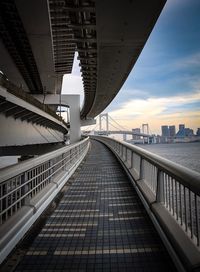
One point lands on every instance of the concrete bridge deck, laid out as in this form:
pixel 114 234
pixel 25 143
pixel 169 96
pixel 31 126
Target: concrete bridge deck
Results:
pixel 99 225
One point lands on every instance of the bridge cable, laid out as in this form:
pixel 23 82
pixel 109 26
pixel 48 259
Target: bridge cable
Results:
pixel 104 118
pixel 121 127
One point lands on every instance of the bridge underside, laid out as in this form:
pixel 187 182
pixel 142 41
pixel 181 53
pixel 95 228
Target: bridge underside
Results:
pixel 108 36
pixel 26 122
pixel 99 225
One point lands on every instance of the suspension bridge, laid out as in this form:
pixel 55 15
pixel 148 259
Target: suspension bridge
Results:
pixel 96 204
pixel 107 125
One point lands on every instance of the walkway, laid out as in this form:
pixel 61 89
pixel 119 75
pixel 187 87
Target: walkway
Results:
pixel 99 225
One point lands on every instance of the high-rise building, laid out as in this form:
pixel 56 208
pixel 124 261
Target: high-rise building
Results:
pixel 198 131
pixel 172 131
pixel 189 132
pixel 136 131
pixel 181 126
pixel 165 131
pixel 184 132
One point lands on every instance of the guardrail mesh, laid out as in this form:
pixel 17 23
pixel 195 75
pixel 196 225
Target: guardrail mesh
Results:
pixel 178 192
pixel 17 191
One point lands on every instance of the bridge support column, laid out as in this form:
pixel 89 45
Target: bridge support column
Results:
pixel 124 137
pixel 100 122
pixel 73 102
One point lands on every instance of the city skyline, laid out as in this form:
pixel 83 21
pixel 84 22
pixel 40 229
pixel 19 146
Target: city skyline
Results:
pixel 164 85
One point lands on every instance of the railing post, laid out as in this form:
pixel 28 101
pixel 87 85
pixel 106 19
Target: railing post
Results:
pixel 4 202
pixel 51 169
pixel 141 174
pixel 75 154
pixel 118 149
pixel 1 203
pixel 79 150
pixel 125 154
pixel 63 163
pixel 131 166
pixel 25 189
pixel 160 187
pixel 121 153
pixel 70 157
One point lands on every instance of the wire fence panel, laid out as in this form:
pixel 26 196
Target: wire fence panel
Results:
pixel 17 191
pixel 175 187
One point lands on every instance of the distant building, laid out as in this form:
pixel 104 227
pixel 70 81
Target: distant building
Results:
pixel 165 134
pixel 198 132
pixel 189 132
pixel 184 132
pixel 181 126
pixel 124 137
pixel 165 131
pixel 172 131
pixel 136 131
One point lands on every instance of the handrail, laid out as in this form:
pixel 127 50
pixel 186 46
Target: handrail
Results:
pixel 20 93
pixel 187 176
pixel 21 182
pixel 14 170
pixel 170 191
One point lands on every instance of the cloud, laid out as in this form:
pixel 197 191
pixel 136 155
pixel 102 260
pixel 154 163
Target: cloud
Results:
pixel 76 67
pixel 155 106
pixel 173 3
pixel 190 61
pixel 181 115
pixel 72 83
pixel 196 84
pixel 169 110
pixel 126 95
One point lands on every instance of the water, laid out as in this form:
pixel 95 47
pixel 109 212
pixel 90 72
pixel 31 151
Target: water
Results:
pixel 186 154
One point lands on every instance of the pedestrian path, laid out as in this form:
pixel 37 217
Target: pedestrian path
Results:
pixel 100 224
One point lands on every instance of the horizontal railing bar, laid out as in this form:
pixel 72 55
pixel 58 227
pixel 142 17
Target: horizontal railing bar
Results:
pixel 28 181
pixel 30 191
pixel 14 170
pixel 27 193
pixel 40 174
pixel 171 195
pixel 68 160
pixel 189 178
pixel 32 180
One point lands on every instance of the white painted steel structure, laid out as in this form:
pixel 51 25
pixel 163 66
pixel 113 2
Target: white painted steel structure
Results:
pixel 127 132
pixel 35 54
pixel 73 102
pixel 23 122
pixel 100 122
pixel 108 36
pixel 27 188
pixel 171 195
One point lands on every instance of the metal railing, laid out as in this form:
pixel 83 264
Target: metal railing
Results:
pixel 20 93
pixel 22 182
pixel 173 186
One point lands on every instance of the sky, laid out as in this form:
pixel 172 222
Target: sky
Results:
pixel 163 87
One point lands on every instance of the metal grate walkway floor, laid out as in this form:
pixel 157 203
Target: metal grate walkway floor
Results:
pixel 99 225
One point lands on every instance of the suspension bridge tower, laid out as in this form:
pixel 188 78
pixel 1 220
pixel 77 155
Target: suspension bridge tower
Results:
pixel 145 128
pixel 103 116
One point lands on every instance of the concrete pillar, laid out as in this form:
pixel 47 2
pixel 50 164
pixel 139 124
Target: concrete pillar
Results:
pixel 100 125
pixel 100 122
pixel 107 129
pixel 73 102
